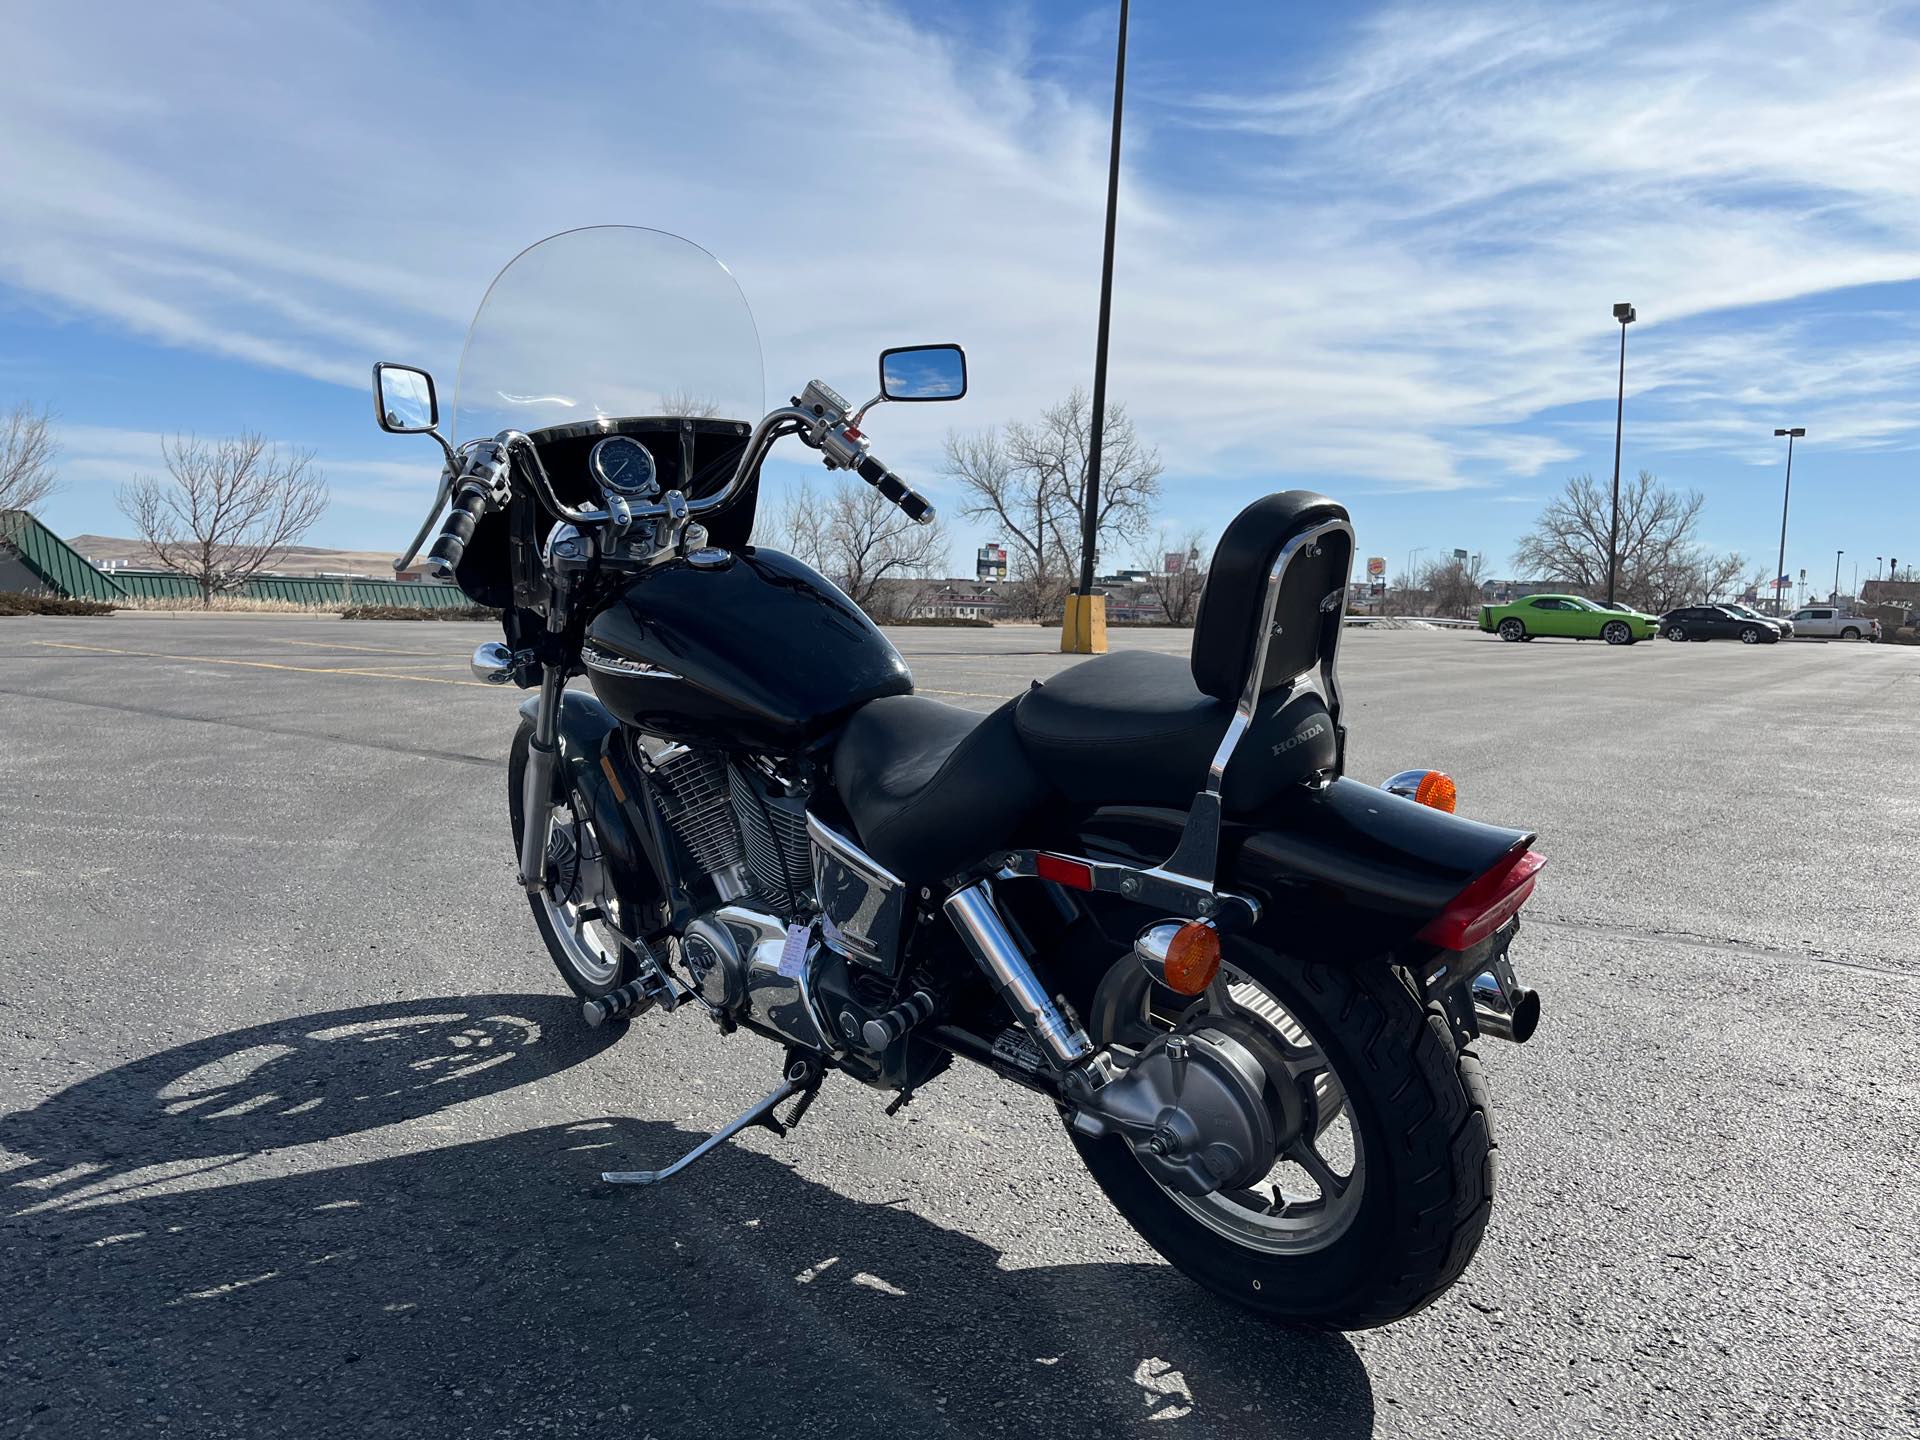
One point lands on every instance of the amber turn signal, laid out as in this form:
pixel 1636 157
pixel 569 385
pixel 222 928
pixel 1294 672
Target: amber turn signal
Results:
pixel 1436 789
pixel 1193 958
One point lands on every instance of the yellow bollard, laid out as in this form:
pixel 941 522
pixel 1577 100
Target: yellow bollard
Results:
pixel 1083 630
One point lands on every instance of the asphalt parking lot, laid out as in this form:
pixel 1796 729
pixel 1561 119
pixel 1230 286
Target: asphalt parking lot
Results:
pixel 297 1135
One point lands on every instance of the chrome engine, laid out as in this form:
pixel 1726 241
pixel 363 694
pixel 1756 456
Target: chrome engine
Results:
pixel 747 963
pixel 739 824
pixel 806 934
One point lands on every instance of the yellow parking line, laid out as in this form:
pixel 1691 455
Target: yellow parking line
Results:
pixel 262 664
pixel 342 645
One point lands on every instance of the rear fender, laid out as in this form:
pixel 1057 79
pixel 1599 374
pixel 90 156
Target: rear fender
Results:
pixel 1343 872
pixel 598 771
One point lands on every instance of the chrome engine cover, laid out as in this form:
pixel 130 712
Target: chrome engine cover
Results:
pixel 750 964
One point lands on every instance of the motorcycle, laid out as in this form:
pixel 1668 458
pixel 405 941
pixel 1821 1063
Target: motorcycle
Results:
pixel 1145 889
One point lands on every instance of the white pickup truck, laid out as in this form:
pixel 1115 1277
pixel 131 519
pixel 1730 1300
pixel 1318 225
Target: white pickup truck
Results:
pixel 1829 622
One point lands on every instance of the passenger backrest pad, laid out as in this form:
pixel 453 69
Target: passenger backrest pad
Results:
pixel 1305 629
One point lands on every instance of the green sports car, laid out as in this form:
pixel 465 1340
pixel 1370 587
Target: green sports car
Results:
pixel 1570 616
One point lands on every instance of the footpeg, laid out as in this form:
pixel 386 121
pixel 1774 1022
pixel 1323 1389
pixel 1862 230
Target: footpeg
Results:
pixel 916 1009
pixel 803 1079
pixel 653 986
pixel 630 999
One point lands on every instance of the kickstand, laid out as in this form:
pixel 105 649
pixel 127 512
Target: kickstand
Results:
pixel 803 1079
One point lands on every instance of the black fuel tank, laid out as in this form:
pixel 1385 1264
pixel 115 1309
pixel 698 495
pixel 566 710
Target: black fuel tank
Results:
pixel 756 652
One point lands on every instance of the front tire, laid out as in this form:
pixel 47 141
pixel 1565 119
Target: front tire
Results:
pixel 1676 632
pixel 585 951
pixel 1423 1165
pixel 1617 632
pixel 1751 635
pixel 1512 629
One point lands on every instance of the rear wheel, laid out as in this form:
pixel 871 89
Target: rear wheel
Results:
pixel 1849 633
pixel 1511 628
pixel 1379 1203
pixel 1617 632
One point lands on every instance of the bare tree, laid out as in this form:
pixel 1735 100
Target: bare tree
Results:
pixel 1661 565
pixel 1020 501
pixel 226 508
pixel 1176 572
pixel 1452 585
pixel 859 539
pixel 1031 479
pixel 27 451
pixel 685 402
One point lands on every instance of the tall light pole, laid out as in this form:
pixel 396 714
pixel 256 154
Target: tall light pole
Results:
pixel 1834 599
pixel 1624 313
pixel 1088 636
pixel 1794 434
pixel 1407 583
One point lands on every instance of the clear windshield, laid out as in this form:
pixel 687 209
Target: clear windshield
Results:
pixel 609 322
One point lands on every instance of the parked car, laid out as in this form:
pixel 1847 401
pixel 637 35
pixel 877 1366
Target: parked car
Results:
pixel 1570 616
pixel 1717 622
pixel 1747 612
pixel 1830 622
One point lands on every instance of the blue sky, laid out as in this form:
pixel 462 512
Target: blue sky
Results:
pixel 1368 250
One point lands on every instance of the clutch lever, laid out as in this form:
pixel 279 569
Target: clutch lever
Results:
pixel 439 502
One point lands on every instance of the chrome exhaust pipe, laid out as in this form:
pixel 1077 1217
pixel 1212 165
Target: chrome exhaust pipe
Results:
pixel 1504 1008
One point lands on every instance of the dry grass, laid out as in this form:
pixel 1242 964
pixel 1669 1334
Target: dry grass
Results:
pixel 414 612
pixel 225 604
pixel 13 602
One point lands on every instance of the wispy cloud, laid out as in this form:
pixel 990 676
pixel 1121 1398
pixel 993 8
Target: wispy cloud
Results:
pixel 1401 280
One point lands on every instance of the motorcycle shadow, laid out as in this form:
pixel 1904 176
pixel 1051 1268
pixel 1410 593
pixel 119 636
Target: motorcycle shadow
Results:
pixel 202 1105
pixel 498 1287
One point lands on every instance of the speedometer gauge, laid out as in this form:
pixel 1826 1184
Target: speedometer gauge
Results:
pixel 623 465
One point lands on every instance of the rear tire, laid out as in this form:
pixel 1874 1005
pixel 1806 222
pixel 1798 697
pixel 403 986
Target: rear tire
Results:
pixel 1512 629
pixel 1850 633
pixel 1422 1122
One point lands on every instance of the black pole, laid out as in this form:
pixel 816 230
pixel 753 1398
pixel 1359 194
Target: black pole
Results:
pixel 1786 496
pixel 1090 517
pixel 1619 416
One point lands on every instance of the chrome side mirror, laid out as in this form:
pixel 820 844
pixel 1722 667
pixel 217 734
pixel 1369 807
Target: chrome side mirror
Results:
pixel 403 400
pixel 923 372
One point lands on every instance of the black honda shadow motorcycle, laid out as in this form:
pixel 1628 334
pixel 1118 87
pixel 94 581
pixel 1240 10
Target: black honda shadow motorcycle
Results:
pixel 1144 888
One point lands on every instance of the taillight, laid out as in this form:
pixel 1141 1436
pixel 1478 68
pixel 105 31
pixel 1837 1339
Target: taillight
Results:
pixel 1485 905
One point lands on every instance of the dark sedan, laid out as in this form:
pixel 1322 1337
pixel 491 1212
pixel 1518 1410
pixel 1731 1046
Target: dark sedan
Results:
pixel 1716 622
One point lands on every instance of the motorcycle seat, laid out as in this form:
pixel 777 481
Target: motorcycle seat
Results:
pixel 932 787
pixel 1127 728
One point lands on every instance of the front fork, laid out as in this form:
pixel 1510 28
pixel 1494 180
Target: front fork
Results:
pixel 536 799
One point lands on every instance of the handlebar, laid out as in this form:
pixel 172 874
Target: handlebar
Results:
pixel 468 506
pixel 483 483
pixel 916 506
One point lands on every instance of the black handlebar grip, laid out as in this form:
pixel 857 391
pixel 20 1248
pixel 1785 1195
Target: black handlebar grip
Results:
pixel 916 506
pixel 468 506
